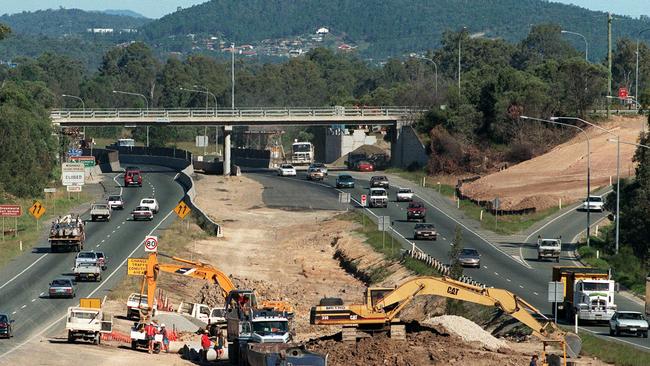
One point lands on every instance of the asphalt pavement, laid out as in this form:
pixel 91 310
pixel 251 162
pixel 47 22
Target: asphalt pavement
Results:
pixel 510 264
pixel 25 281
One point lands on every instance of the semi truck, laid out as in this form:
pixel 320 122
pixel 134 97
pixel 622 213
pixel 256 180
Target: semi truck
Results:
pixel 588 293
pixel 67 233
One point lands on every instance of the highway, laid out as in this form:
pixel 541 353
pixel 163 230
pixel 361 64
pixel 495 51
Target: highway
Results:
pixel 24 284
pixel 521 274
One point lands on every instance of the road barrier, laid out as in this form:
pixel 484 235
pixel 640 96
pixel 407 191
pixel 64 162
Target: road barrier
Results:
pixel 444 269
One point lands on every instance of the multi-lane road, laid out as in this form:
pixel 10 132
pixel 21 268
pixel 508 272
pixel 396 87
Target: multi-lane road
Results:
pixel 511 265
pixel 24 282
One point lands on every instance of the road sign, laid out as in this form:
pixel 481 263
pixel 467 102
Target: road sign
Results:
pixel 555 292
pixel 182 209
pixel 73 188
pixel 344 197
pixel 49 190
pixel 37 210
pixel 136 266
pixel 72 174
pixel 623 93
pixel 10 211
pixel 151 244
pixel 87 161
pixel 496 203
pixel 383 223
pixel 74 152
pixel 201 141
pixel 364 200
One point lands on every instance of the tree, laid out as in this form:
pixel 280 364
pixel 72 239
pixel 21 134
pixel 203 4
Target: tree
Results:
pixel 544 42
pixel 4 31
pixel 581 84
pixel 456 269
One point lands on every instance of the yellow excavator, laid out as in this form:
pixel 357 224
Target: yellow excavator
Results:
pixel 204 271
pixel 382 305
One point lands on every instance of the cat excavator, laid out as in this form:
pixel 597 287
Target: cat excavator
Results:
pixel 382 305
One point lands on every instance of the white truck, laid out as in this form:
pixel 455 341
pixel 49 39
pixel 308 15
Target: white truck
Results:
pixel 100 211
pixel 549 248
pixel 137 303
pixel 588 293
pixel 139 338
pixel 87 321
pixel 87 266
pixel 202 312
pixel 378 197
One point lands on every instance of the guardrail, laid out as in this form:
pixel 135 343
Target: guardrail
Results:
pixel 235 113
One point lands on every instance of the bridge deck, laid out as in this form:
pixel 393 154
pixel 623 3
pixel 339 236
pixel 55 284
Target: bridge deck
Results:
pixel 258 116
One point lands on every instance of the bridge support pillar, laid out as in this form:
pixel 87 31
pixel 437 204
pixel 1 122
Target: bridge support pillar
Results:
pixel 227 130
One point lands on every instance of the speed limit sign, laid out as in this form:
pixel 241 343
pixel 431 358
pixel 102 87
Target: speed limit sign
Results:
pixel 364 200
pixel 151 244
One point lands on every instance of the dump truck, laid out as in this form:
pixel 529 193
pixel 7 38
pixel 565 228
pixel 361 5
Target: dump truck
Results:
pixel 87 321
pixel 67 233
pixel 588 293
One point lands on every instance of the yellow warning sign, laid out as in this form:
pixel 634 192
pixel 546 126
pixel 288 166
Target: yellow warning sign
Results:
pixel 136 266
pixel 37 210
pixel 182 209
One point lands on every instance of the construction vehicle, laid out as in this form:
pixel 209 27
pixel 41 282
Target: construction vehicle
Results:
pixel 382 306
pixel 302 153
pixel 67 232
pixel 588 293
pixel 87 321
pixel 247 320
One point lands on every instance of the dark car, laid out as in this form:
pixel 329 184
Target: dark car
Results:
pixel 344 181
pixel 62 287
pixel 6 326
pixel 416 211
pixel 425 231
pixel 469 257
pixel 379 181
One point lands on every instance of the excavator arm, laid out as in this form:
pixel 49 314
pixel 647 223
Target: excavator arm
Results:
pixel 392 303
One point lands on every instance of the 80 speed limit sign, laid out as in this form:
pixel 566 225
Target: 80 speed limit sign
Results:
pixel 151 244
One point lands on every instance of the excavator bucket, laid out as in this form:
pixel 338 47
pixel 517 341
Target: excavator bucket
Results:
pixel 573 344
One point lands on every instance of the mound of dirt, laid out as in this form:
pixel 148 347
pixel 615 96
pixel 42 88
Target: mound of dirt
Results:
pixel 467 330
pixel 364 149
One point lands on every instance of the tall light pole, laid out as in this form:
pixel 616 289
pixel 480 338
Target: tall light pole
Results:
pixel 588 162
pixel 636 83
pixel 83 106
pixel 232 74
pixel 146 102
pixel 436 68
pixel 584 38
pixel 207 93
pixel 618 168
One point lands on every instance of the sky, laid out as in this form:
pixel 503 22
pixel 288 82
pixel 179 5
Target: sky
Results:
pixel 158 8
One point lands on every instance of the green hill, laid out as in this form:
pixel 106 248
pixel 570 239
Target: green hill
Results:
pixel 389 28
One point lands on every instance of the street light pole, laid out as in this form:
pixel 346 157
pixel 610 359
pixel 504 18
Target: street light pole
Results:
pixel 207 93
pixel 83 106
pixel 232 74
pixel 584 38
pixel 636 83
pixel 436 69
pixel 618 169
pixel 588 162
pixel 146 102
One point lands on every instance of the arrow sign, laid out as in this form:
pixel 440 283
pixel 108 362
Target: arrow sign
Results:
pixel 151 244
pixel 37 210
pixel 182 209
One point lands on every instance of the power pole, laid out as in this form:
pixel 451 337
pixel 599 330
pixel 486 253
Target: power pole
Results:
pixel 609 60
pixel 232 74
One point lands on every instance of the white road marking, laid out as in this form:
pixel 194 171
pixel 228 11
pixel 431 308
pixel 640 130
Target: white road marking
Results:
pixel 496 273
pixel 113 231
pixel 485 267
pixel 24 306
pixel 13 313
pixel 103 240
pixel 615 339
pixel 97 246
pixel 101 284
pixel 42 293
pixel 507 279
pixel 33 300
pixel 123 222
pixel 536 294
pixel 119 226
pixel 520 286
pixel 108 236
pixel 23 271
pixel 121 188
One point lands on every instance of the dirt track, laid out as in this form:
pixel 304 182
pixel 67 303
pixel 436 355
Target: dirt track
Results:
pixel 561 173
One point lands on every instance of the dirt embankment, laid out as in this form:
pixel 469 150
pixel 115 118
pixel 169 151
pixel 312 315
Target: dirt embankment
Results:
pixel 561 173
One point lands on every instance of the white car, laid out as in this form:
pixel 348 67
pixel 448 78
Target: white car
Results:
pixel 630 322
pixel 151 203
pixel 116 202
pixel 320 166
pixel 404 195
pixel 593 203
pixel 286 170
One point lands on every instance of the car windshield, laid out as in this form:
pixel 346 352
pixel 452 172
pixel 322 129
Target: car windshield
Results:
pixel 114 198
pixel 286 166
pixel 270 327
pixel 101 206
pixel 87 255
pixel 423 226
pixel 631 316
pixel 415 205
pixel 595 286
pixel 61 283
pixel 345 177
pixel 142 208
pixel 100 254
pixel 3 318
pixel 469 252
pixel 147 201
pixel 404 190
pixel 595 199
pixel 549 243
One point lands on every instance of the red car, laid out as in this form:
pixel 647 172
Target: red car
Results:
pixel 132 177
pixel 364 166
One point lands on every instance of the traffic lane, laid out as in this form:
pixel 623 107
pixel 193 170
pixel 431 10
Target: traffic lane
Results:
pixel 114 247
pixel 288 194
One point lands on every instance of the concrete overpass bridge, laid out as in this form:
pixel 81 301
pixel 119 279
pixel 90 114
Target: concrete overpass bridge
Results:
pixel 394 117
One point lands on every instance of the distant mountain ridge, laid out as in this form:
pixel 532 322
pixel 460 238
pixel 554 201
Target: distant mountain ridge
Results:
pixel 123 12
pixel 389 28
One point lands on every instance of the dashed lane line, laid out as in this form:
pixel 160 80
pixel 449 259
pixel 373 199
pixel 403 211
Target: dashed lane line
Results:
pixel 23 271
pixel 24 306
pixel 33 300
pixel 536 294
pixel 496 273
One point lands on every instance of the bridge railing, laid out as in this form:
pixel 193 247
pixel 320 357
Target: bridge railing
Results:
pixel 234 113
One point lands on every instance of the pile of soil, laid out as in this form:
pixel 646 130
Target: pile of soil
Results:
pixel 364 149
pixel 467 330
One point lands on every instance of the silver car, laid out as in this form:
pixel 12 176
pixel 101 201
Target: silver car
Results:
pixel 62 287
pixel 630 322
pixel 469 257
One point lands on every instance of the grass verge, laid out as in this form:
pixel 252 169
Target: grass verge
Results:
pixel 506 224
pixel 56 204
pixel 386 245
pixel 613 352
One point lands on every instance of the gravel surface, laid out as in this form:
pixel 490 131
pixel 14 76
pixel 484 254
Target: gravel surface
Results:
pixel 467 330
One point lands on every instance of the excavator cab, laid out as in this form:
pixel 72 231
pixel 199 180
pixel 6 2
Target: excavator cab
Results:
pixel 375 294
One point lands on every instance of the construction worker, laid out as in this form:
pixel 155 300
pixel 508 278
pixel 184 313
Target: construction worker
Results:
pixel 533 360
pixel 165 338
pixel 150 332
pixel 220 342
pixel 205 344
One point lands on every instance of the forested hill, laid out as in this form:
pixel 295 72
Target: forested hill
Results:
pixel 389 28
pixel 67 21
